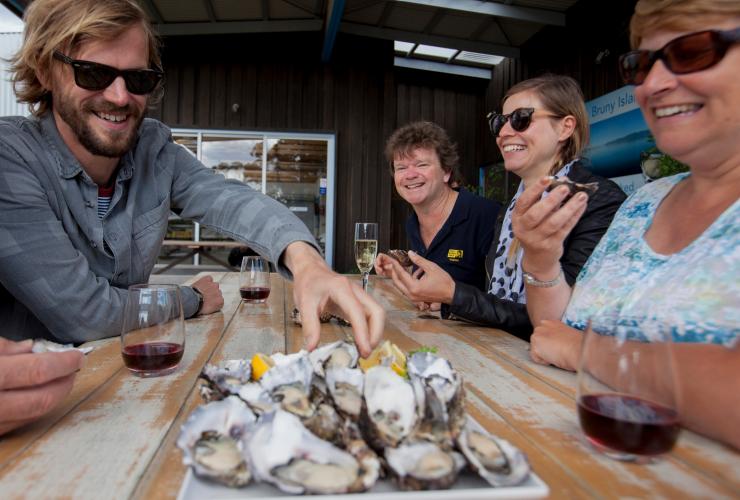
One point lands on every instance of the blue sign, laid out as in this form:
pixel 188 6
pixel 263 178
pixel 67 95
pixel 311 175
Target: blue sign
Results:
pixel 618 134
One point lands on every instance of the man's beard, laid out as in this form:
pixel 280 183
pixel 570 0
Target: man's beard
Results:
pixel 116 144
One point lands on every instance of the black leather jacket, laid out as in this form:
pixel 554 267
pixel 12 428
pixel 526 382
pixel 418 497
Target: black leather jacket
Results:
pixel 472 304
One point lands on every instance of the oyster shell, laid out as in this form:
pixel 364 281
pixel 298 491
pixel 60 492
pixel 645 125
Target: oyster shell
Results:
pixel 345 385
pixel 423 465
pixel 402 256
pixel 338 354
pixel 325 423
pixel 43 345
pixel 389 414
pixel 283 452
pixel 355 445
pixel 325 317
pixel 494 459
pixel 289 383
pixel 224 379
pixel 440 397
pixel 211 441
pixel 575 187
pixel 258 399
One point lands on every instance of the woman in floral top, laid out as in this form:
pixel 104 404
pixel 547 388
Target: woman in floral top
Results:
pixel 672 252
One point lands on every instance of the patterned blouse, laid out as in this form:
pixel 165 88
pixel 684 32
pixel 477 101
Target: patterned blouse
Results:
pixel 626 286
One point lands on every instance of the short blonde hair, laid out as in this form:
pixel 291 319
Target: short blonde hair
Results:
pixel 678 15
pixel 63 25
pixel 562 96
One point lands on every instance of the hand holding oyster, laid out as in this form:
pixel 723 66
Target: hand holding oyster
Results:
pixel 589 188
pixel 402 256
pixel 318 424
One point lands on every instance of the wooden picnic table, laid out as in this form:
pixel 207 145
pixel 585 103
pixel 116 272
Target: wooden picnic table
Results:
pixel 114 437
pixel 201 247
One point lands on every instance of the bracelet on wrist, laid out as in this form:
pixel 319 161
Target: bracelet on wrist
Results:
pixel 532 281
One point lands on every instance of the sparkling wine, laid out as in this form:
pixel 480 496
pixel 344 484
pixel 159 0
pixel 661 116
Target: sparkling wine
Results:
pixel 365 252
pixel 254 293
pixel 628 424
pixel 152 356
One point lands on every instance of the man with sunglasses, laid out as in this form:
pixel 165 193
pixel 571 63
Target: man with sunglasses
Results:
pixel 87 185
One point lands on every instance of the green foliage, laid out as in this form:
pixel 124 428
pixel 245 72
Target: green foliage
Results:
pixel 424 348
pixel 667 166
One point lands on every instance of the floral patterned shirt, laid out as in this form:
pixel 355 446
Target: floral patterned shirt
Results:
pixel 625 284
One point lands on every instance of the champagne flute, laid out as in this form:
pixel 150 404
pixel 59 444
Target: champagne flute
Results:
pixel 153 331
pixel 627 396
pixel 366 248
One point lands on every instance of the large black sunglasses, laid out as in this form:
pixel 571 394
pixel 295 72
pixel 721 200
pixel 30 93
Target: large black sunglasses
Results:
pixel 685 54
pixel 94 76
pixel 520 120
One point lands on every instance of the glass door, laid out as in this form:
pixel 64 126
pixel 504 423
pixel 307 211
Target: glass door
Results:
pixel 297 170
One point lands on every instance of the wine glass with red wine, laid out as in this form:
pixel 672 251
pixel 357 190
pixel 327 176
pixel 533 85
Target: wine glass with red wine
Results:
pixel 254 279
pixel 153 332
pixel 627 394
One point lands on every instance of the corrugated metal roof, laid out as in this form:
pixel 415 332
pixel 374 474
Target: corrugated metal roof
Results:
pixel 9 44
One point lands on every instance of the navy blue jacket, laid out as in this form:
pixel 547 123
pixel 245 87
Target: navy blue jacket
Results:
pixel 461 244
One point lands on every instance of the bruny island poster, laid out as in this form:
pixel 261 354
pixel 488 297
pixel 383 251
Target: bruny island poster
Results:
pixel 619 135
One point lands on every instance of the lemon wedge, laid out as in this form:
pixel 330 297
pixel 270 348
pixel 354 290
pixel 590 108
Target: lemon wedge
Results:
pixel 260 364
pixel 387 353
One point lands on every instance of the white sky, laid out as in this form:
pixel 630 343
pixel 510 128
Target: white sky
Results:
pixel 8 21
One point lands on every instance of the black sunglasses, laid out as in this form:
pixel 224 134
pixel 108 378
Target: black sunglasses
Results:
pixel 95 76
pixel 685 54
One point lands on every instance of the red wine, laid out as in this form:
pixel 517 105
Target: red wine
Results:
pixel 628 424
pixel 152 356
pixel 254 293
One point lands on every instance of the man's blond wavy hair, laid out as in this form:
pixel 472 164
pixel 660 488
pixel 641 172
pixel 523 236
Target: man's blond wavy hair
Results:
pixel 63 25
pixel 678 15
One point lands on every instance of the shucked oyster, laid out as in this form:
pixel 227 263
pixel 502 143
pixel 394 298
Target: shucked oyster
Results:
pixel 495 459
pixel 345 385
pixel 575 187
pixel 402 256
pixel 224 379
pixel 335 355
pixel 283 452
pixel 440 397
pixel 390 413
pixel 289 383
pixel 423 465
pixel 211 441
pixel 43 345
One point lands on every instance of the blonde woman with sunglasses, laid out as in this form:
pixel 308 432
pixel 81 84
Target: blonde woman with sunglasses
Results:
pixel 541 131
pixel 672 253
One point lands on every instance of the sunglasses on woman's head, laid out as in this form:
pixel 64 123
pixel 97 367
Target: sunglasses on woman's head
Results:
pixel 520 119
pixel 95 76
pixel 685 54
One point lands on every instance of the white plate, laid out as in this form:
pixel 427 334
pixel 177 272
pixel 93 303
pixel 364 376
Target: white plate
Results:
pixel 467 487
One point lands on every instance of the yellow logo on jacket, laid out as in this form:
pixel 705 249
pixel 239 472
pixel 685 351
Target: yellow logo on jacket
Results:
pixel 454 255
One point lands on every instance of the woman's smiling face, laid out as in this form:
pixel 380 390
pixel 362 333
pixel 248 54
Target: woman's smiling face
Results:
pixel 694 117
pixel 534 150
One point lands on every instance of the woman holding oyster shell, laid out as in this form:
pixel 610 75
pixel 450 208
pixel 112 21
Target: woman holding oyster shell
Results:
pixel 541 132
pixel 672 253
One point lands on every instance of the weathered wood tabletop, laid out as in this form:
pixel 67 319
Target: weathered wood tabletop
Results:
pixel 114 436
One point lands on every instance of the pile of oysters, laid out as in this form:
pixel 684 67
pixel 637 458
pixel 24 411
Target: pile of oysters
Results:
pixel 315 423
